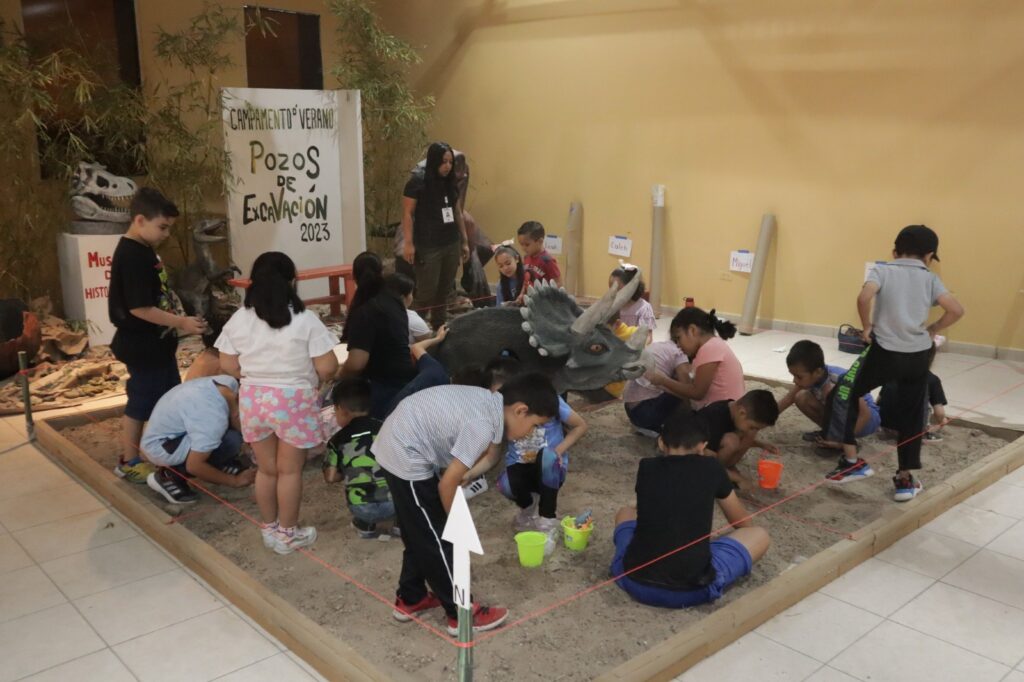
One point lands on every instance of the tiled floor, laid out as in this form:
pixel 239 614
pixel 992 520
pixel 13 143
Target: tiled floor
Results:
pixel 85 597
pixel 944 603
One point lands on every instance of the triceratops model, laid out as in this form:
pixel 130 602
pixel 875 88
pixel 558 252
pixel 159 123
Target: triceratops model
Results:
pixel 198 284
pixel 97 194
pixel 550 334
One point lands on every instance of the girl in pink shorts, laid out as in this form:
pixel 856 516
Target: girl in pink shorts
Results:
pixel 281 352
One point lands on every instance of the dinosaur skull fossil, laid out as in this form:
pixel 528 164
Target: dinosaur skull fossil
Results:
pixel 97 194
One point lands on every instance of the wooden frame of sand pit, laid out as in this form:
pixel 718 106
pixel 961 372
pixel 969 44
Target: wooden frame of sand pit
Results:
pixel 337 661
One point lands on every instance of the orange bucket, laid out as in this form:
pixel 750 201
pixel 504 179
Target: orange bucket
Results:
pixel 769 471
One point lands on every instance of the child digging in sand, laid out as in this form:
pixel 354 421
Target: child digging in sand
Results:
pixel 452 428
pixel 733 426
pixel 675 499
pixel 813 384
pixel 349 458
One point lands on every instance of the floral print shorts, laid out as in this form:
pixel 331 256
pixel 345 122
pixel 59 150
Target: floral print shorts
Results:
pixel 291 414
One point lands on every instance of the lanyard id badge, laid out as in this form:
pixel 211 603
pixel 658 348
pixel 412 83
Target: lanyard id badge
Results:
pixel 447 213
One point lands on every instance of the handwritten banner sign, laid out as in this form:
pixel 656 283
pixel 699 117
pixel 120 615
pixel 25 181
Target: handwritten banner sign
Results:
pixel 286 152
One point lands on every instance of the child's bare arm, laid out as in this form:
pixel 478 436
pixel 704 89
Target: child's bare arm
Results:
pixel 199 466
pixel 326 365
pixel 864 298
pixel 735 513
pixel 355 363
pixel 484 464
pixel 451 480
pixel 693 390
pixel 229 365
pixel 732 449
pixel 420 348
pixel 577 426
pixel 188 325
pixel 787 400
pixel 952 311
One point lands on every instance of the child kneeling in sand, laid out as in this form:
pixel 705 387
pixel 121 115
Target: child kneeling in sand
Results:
pixel 733 427
pixel 349 458
pixel 812 391
pixel 675 496
pixel 194 431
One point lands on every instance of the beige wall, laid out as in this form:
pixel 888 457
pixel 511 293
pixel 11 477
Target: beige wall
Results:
pixel 847 120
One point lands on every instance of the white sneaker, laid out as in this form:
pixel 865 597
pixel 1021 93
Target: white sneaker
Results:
pixel 525 519
pixel 287 542
pixel 475 488
pixel 267 531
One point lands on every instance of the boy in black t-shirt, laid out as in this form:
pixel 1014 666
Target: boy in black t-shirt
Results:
pixel 349 458
pixel 141 307
pixel 733 427
pixel 675 497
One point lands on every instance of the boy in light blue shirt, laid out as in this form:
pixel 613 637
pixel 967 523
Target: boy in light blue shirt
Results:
pixel 194 432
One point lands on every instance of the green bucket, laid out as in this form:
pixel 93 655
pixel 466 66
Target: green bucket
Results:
pixel 576 539
pixel 531 548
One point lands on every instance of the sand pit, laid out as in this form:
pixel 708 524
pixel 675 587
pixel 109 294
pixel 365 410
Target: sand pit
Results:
pixel 584 637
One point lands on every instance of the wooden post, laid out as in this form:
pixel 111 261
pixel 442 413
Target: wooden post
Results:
pixel 657 246
pixel 572 278
pixel 26 395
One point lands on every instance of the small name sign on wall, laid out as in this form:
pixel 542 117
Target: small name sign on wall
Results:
pixel 620 246
pixel 553 244
pixel 741 261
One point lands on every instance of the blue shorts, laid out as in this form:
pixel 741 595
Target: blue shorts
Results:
pixel 730 558
pixel 874 421
pixel 146 385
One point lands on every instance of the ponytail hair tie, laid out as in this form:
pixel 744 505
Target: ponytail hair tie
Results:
pixel 712 316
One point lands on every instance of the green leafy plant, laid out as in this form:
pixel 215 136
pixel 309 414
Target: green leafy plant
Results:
pixel 394 118
pixel 55 111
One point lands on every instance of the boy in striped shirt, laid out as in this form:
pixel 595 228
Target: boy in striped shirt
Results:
pixel 452 428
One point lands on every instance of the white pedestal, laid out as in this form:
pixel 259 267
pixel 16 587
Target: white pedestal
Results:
pixel 85 277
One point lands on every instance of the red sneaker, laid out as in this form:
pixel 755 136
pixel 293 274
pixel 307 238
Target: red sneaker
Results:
pixel 484 618
pixel 403 612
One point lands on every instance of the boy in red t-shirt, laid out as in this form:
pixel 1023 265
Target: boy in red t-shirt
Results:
pixel 538 264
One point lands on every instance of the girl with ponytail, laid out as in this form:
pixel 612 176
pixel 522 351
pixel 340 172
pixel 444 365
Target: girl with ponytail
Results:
pixel 281 352
pixel 715 369
pixel 377 332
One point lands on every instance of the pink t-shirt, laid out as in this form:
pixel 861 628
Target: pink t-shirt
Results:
pixel 667 357
pixel 728 382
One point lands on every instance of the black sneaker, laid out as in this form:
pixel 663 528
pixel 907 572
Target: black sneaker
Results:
pixel 366 531
pixel 933 437
pixel 233 468
pixel 172 488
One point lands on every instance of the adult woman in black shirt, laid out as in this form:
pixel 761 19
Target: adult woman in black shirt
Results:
pixel 377 332
pixel 433 231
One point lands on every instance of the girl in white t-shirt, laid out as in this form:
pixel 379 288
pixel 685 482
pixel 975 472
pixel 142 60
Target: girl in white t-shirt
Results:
pixel 281 352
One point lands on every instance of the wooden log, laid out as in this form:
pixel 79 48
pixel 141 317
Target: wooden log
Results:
pixel 331 657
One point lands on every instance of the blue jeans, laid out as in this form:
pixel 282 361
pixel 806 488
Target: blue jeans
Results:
pixel 651 414
pixel 429 373
pixel 729 557
pixel 373 512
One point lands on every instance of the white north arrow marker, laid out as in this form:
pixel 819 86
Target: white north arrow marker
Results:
pixel 461 532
